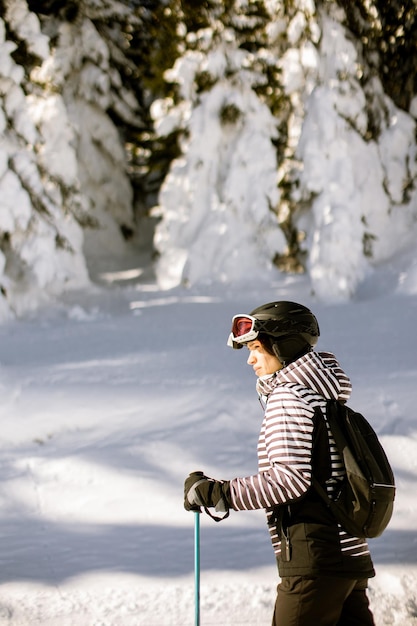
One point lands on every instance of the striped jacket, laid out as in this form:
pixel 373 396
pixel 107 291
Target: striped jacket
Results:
pixel 284 476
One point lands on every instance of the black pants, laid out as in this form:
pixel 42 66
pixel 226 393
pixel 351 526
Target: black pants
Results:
pixel 322 601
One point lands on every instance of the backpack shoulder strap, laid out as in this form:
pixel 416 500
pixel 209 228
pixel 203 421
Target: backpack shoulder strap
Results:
pixel 335 418
pixel 320 456
pixel 321 467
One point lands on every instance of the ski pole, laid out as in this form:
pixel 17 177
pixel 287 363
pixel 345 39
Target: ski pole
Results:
pixel 197 566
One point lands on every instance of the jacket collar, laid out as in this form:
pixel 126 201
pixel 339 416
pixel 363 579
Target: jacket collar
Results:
pixel 318 371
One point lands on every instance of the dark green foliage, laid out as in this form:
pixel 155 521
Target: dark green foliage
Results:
pixel 388 33
pixel 248 24
pixel 149 161
pixel 155 45
pixel 67 11
pixel 204 81
pixel 198 14
pixel 229 114
pixel 367 242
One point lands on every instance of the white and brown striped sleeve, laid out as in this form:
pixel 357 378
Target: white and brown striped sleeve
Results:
pixel 284 452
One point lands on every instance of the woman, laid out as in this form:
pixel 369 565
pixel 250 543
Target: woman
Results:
pixel 324 571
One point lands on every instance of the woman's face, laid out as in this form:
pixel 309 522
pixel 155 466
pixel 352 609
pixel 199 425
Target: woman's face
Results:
pixel 262 362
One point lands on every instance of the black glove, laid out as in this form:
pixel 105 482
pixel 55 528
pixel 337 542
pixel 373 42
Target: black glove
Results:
pixel 200 490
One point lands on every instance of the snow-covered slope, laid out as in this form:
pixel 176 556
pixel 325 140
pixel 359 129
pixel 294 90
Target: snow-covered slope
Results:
pixel 111 398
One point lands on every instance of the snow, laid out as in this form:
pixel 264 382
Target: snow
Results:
pixel 114 394
pixel 26 24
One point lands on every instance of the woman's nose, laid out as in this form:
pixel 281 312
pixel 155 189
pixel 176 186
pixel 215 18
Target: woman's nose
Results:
pixel 251 359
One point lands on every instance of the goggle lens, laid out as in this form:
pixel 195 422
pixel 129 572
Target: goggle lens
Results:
pixel 241 326
pixel 243 330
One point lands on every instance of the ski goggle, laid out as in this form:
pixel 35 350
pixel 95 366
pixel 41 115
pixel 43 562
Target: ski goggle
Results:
pixel 243 330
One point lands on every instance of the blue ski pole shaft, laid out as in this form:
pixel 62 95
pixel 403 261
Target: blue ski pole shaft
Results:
pixel 197 566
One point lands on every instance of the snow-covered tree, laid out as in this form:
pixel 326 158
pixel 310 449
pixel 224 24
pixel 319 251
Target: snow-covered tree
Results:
pixel 359 163
pixel 218 203
pixel 344 150
pixel 63 166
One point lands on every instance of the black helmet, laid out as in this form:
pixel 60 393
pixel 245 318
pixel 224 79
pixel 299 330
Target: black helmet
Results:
pixel 291 329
